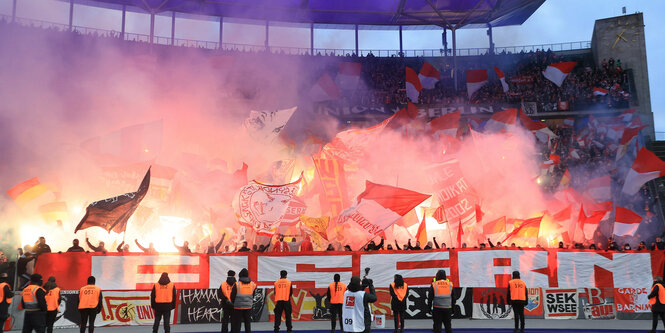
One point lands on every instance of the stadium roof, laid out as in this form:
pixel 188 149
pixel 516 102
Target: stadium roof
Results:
pixel 442 13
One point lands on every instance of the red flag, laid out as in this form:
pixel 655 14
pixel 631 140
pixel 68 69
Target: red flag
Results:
pixel 460 232
pixel 626 221
pixel 527 229
pixel 428 76
pixel 413 85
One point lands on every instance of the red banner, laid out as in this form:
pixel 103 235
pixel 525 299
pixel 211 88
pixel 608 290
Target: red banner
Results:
pixel 551 268
pixel 333 181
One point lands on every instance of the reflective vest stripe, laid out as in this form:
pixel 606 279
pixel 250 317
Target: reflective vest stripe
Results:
pixel 29 296
pixel 244 295
pixel 400 292
pixel 164 293
pixel 517 290
pixel 52 299
pixel 337 294
pixel 442 293
pixel 282 290
pixel 89 297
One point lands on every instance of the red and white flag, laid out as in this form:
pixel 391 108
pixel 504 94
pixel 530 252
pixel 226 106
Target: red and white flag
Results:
pixel 590 223
pixel 348 75
pixel 502 120
pixel 475 79
pixel 377 208
pixel 600 188
pixel 445 125
pixel 502 78
pixel 428 76
pixel 324 89
pixel 628 136
pixel 647 166
pixel 262 207
pixel 538 128
pixel 626 221
pixel 559 71
pixel 627 116
pixel 600 91
pixel 413 85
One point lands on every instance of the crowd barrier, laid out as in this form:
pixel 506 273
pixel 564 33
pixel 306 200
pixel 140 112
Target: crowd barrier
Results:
pixel 563 284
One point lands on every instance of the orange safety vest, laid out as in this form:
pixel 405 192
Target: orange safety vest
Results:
pixel 52 298
pixel 400 292
pixel 282 290
pixel 337 294
pixel 89 297
pixel 164 293
pixel 29 295
pixel 660 296
pixel 442 287
pixel 517 290
pixel 226 289
pixel 2 293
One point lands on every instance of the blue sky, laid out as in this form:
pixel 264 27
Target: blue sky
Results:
pixel 557 21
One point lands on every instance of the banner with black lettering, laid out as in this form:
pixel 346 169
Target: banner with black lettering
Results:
pixel 561 304
pixel 204 306
pixel 491 303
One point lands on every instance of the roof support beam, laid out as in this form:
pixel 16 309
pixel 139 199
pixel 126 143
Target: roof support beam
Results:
pixel 398 13
pixel 173 28
pixel 459 24
pixel 357 54
pixel 438 24
pixel 71 14
pixel 122 27
pixel 438 12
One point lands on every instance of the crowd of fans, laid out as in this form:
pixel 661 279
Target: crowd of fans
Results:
pixel 383 78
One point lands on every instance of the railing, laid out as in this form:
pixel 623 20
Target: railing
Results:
pixel 135 37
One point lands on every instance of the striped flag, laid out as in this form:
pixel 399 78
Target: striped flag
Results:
pixel 428 76
pixel 413 85
pixel 475 79
pixel 626 221
pixel 54 211
pixel 559 71
pixel 600 188
pixel 502 78
pixel 647 166
pixel 348 75
pixel 421 235
pixel 31 193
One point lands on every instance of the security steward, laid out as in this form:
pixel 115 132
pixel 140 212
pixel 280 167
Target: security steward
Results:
pixel 657 301
pixel 242 296
pixel 441 301
pixel 224 293
pixel 90 304
pixel 335 295
pixel 517 299
pixel 6 295
pixel 398 290
pixel 33 300
pixel 162 300
pixel 52 302
pixel 283 294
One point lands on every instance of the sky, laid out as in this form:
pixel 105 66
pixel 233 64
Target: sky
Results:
pixel 556 21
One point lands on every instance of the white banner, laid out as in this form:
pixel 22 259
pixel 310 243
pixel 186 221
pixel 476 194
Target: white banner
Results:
pixel 561 303
pixel 220 265
pixel 418 269
pixel 306 271
pixel 141 271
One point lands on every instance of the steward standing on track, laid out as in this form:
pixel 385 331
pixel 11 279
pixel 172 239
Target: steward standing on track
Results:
pixel 398 291
pixel 355 311
pixel 33 300
pixel 90 304
pixel 242 296
pixel 441 302
pixel 283 294
pixel 335 295
pixel 162 300
pixel 517 299
pixel 52 302
pixel 224 293
pixel 657 301
pixel 6 295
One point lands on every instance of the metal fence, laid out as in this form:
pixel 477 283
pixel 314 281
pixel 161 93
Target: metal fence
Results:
pixel 135 37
